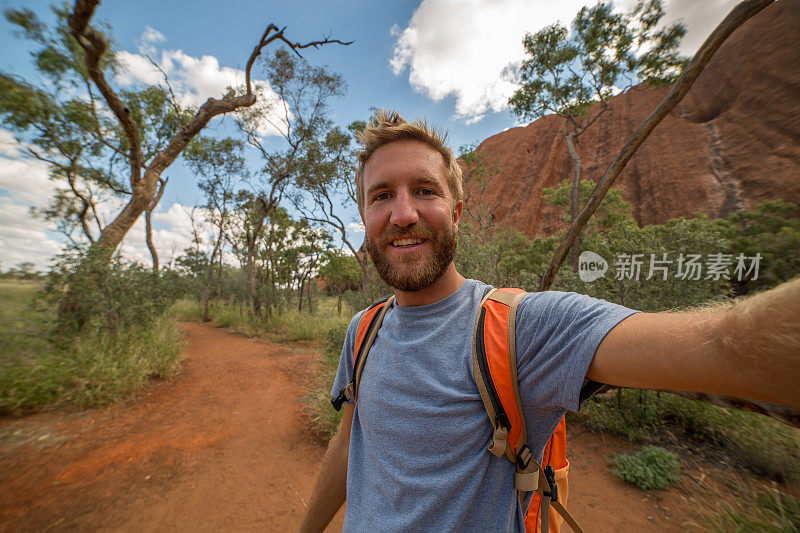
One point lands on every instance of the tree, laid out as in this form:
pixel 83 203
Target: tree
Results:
pixel 738 16
pixel 326 179
pixel 575 74
pixel 299 115
pixel 341 272
pixel 144 173
pixel 218 162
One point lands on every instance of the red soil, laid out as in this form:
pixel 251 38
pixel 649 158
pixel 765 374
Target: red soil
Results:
pixel 225 447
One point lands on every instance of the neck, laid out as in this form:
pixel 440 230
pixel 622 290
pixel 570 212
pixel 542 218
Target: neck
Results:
pixel 447 284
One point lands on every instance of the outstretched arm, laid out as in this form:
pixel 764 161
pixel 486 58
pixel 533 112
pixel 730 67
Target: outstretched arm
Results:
pixel 331 489
pixel 748 350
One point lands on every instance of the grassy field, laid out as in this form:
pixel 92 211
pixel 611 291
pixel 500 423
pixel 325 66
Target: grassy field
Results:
pixel 40 370
pixel 283 325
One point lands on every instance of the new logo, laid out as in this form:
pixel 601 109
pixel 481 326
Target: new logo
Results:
pixel 591 266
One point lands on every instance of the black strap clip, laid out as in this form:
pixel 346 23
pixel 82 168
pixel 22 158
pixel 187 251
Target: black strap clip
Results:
pixel 550 476
pixel 340 398
pixel 524 457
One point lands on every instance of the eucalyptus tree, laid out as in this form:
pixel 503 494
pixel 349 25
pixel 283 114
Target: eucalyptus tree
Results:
pixel 326 183
pixel 574 74
pixel 220 166
pixel 59 120
pixel 285 131
pixel 90 53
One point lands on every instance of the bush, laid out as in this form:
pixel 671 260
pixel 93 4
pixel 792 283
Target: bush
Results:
pixel 764 446
pixel 94 293
pixel 91 370
pixel 651 468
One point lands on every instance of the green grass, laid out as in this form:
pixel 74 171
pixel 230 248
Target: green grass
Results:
pixel 187 310
pixel 767 511
pixel 39 370
pixel 287 324
pixel 652 467
pixel 764 446
pixel 325 419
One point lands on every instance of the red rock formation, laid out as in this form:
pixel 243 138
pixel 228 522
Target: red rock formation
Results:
pixel 733 141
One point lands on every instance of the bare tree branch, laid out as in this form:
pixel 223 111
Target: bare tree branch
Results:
pixel 95 46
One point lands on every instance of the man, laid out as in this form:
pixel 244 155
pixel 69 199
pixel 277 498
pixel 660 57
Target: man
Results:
pixel 413 456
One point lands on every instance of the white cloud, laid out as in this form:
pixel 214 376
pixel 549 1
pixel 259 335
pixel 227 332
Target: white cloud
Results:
pixel 463 49
pixel 24 238
pixel 194 79
pixel 355 227
pixel 700 18
pixel 469 49
pixel 152 36
pixel 26 180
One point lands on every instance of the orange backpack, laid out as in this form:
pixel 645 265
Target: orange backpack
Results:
pixel 495 371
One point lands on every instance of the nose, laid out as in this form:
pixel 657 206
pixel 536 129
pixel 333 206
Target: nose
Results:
pixel 404 212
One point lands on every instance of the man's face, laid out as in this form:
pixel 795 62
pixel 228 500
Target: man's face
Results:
pixel 411 222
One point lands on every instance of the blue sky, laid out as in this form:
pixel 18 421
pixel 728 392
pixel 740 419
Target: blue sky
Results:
pixel 442 59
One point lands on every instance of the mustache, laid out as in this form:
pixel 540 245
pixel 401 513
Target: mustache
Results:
pixel 417 232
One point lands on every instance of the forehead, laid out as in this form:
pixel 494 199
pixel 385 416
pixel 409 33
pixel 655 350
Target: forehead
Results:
pixel 410 159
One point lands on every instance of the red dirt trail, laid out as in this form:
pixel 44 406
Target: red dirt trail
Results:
pixel 225 447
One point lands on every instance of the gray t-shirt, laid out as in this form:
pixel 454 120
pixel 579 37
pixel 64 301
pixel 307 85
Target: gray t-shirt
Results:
pixel 418 459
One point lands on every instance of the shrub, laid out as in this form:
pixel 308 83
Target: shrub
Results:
pixel 651 468
pixel 98 294
pixel 92 370
pixel 764 446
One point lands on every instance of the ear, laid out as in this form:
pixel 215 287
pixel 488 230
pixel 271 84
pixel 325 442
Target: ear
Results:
pixel 457 214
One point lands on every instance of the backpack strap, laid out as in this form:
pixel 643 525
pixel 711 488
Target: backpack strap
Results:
pixel 496 376
pixel 494 366
pixel 366 332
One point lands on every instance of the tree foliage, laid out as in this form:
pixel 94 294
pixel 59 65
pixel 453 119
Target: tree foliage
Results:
pixel 604 53
pixel 575 74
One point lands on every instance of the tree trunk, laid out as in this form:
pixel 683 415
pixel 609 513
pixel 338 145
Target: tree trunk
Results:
pixel 219 276
pixel 149 238
pixel 300 297
pixel 251 282
pixel 148 224
pixel 574 197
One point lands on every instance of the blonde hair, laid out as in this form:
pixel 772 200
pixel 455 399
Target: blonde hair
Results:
pixel 387 127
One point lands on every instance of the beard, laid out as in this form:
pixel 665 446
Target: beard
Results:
pixel 411 274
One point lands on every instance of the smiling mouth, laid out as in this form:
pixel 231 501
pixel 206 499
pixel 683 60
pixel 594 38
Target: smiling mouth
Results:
pixel 405 243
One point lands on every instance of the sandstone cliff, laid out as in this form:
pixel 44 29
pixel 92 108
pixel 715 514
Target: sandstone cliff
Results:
pixel 733 141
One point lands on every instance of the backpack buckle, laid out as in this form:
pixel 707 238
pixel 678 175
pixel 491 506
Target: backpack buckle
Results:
pixel 550 476
pixel 524 457
pixel 345 394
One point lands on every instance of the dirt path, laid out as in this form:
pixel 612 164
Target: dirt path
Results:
pixel 225 447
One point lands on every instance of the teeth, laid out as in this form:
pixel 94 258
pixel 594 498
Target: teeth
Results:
pixel 406 242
